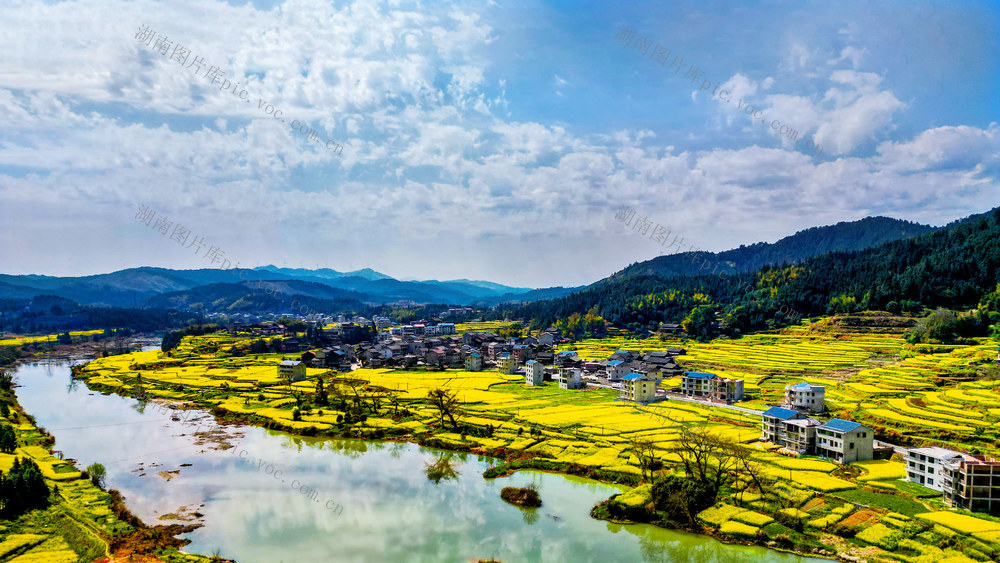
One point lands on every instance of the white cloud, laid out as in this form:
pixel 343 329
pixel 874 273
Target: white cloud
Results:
pixel 430 157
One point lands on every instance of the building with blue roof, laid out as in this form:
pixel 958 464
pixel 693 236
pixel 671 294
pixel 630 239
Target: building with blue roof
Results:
pixel 709 386
pixel 534 372
pixel 506 363
pixel 474 362
pixel 806 396
pixel 845 441
pixel 614 370
pixel 789 429
pixel 639 387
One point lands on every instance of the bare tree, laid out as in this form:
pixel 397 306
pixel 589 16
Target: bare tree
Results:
pixel 446 403
pixel 706 457
pixel 646 452
pixel 750 468
pixel 377 394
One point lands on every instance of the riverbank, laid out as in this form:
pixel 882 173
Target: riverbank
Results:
pixel 400 501
pixel 81 521
pixel 812 505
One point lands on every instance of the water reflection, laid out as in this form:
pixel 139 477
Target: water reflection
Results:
pixel 444 468
pixel 398 502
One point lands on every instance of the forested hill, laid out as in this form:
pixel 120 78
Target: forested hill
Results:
pixel 846 235
pixel 950 267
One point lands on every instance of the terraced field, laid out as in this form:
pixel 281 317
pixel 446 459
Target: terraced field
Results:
pixel 874 378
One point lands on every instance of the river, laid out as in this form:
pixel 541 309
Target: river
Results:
pixel 281 498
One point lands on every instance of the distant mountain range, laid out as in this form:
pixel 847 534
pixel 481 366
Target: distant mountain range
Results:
pixel 215 290
pixel 209 290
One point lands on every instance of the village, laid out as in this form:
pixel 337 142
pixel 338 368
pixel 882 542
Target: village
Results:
pixel 966 480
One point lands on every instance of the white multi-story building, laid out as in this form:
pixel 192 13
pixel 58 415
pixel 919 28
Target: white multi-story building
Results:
pixel 711 386
pixel 806 396
pixel 925 466
pixel 789 429
pixel 616 369
pixel 569 378
pixel 534 372
pixel 473 362
pixel 845 441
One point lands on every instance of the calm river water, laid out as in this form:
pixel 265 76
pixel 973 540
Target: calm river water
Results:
pixel 280 498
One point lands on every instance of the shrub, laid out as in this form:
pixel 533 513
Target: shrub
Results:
pixel 880 535
pixel 527 496
pixel 296 413
pixel 678 497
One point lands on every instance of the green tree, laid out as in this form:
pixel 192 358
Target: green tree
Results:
pixel 698 323
pixel 23 488
pixel 8 438
pixel 97 473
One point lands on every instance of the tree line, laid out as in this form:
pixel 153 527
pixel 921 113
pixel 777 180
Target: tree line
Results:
pixel 954 267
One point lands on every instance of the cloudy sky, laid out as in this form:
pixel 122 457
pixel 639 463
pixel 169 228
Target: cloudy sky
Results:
pixel 481 140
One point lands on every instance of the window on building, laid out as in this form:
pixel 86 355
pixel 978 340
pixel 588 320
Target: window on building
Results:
pixel 852 446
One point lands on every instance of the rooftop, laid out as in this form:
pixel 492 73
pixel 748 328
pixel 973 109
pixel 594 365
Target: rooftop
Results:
pixel 935 452
pixel 700 375
pixel 780 413
pixel 805 422
pixel 841 425
pixel 632 376
pixel 806 386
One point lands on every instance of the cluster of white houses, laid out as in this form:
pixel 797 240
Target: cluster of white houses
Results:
pixel 966 481
pixel 790 427
pixel 422 329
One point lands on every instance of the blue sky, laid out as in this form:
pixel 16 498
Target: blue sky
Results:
pixel 482 140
